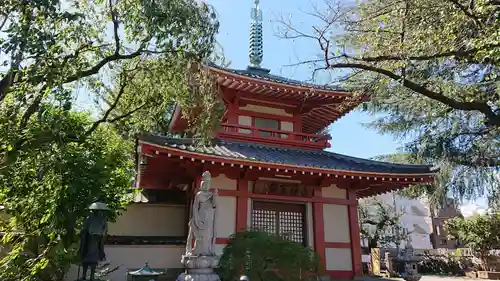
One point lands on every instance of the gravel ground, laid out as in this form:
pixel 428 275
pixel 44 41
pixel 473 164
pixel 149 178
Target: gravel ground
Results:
pixel 424 278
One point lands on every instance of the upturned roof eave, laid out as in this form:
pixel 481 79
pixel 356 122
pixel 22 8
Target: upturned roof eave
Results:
pixel 409 177
pixel 286 83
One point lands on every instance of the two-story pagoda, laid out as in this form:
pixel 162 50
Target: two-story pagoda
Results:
pixel 270 166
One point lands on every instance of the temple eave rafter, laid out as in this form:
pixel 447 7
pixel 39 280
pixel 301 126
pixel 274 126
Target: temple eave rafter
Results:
pixel 249 84
pixel 344 178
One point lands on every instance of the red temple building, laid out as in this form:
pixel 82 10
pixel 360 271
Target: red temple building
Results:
pixel 271 168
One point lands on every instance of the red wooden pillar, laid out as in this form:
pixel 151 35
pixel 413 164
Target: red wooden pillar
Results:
pixel 242 205
pixel 197 183
pixel 357 264
pixel 319 228
pixel 297 125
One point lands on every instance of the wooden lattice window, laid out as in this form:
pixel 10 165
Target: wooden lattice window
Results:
pixel 286 220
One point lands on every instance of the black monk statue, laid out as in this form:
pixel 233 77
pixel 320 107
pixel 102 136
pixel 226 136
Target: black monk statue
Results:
pixel 92 236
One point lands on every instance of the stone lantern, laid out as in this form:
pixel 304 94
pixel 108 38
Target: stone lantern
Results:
pixel 145 274
pixel 408 262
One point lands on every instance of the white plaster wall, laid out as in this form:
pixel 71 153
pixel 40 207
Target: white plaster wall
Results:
pixel 333 192
pixel 310 225
pixel 244 121
pixel 135 256
pixel 150 220
pixel 226 216
pixel 265 109
pixel 223 182
pixel 338 259
pixel 286 126
pixel 336 221
pixel 219 248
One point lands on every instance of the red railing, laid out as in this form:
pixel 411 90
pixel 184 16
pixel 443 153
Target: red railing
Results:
pixel 273 136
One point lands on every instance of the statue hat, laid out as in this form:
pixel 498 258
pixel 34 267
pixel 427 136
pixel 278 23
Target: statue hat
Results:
pixel 206 176
pixel 98 206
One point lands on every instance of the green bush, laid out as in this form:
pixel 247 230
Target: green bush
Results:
pixel 444 265
pixel 265 257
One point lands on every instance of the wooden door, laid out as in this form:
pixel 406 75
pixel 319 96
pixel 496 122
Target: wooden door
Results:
pixel 286 220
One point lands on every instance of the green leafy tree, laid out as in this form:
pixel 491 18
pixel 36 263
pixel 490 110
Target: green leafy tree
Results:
pixel 47 194
pixel 78 80
pixel 481 233
pixel 437 192
pixel 431 69
pixel 262 256
pixel 55 50
pixel 380 224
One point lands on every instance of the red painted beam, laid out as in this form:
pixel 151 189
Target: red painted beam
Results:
pixel 315 199
pixel 264 115
pixel 242 205
pixel 352 210
pixel 221 241
pixel 319 228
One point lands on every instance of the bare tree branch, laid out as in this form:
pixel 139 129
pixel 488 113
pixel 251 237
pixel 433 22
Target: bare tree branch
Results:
pixel 363 63
pixel 32 107
pixel 4 21
pixel 17 57
pixel 104 118
pixel 482 107
pixel 95 69
pixel 126 77
pixel 455 53
pixel 116 26
pixel 127 114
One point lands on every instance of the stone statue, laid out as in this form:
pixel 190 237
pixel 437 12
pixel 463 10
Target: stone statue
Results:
pixel 200 259
pixel 92 236
pixel 202 222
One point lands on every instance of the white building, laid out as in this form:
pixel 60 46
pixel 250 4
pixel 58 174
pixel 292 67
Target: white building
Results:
pixel 416 219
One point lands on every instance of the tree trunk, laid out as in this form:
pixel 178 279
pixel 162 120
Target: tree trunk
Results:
pixel 484 260
pixel 432 235
pixel 372 243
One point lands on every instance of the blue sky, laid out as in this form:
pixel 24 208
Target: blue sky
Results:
pixel 349 136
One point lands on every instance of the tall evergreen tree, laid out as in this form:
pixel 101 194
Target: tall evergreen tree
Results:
pixel 431 69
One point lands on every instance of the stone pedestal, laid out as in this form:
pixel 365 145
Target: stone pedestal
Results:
pixel 199 268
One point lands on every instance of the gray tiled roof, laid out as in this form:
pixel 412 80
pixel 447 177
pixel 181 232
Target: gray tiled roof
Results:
pixel 299 157
pixel 263 74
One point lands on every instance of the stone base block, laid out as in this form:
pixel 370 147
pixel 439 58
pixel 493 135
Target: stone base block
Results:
pixel 200 261
pixel 205 274
pixel 411 277
pixel 199 268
